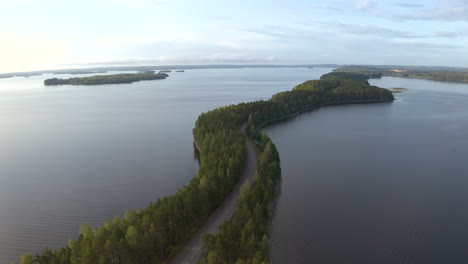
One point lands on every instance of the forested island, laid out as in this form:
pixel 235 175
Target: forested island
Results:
pixel 107 79
pixel 157 233
pixel 430 73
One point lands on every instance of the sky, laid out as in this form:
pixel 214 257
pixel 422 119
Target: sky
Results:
pixel 55 34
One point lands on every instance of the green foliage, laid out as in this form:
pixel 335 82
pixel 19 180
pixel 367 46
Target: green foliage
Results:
pixel 107 79
pixel 369 71
pixel 244 238
pixel 26 259
pixel 346 76
pixel 155 234
pixel 408 72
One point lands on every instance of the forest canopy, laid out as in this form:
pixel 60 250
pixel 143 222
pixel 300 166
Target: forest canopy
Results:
pixel 442 75
pixel 107 79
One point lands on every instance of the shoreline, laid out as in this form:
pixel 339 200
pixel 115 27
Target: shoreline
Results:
pixel 270 122
pixel 192 245
pixel 277 192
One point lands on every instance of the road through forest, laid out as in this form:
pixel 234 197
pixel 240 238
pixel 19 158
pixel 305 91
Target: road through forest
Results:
pixel 192 251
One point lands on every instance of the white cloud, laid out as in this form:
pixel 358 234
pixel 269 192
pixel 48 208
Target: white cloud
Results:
pixel 228 57
pixel 448 10
pixel 248 44
pixel 145 39
pixel 391 33
pixel 363 4
pixel 214 58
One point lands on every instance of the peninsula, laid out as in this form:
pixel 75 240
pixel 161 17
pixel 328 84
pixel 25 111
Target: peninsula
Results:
pixel 169 229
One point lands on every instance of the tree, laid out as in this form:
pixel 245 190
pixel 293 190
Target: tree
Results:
pixel 26 259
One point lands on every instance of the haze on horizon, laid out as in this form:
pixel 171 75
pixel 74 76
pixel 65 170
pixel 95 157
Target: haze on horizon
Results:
pixel 53 34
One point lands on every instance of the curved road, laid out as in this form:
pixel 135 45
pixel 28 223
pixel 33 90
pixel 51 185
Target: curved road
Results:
pixel 192 251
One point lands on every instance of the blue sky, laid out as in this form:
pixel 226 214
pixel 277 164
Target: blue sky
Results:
pixel 49 34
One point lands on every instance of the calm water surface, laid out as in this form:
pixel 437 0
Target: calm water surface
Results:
pixel 376 183
pixel 83 154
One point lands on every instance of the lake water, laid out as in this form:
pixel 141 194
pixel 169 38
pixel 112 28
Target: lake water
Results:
pixel 376 183
pixel 83 154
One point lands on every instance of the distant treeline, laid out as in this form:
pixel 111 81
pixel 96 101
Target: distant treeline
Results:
pixel 157 233
pixel 435 75
pixel 107 79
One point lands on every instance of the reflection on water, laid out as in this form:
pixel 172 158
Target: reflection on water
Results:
pixel 376 183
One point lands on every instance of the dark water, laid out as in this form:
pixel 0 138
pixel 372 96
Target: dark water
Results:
pixel 83 154
pixel 376 183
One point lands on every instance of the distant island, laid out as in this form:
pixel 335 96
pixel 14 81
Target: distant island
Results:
pixel 107 79
pixel 443 74
pixel 384 70
pixel 179 71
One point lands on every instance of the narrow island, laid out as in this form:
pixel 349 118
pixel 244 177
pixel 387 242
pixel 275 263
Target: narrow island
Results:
pixel 107 79
pixel 224 137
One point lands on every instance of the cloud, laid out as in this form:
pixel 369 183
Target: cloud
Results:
pixel 448 10
pixel 418 46
pixel 439 34
pixel 360 30
pixel 144 39
pixel 281 32
pixel 331 32
pixel 409 5
pixel 222 18
pixel 363 5
pixel 268 30
pixel 248 40
pixel 341 7
pixel 215 58
pixel 228 57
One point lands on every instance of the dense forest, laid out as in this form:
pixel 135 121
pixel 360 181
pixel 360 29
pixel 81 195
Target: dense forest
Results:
pixel 442 75
pixel 107 79
pixel 157 233
pixel 244 239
